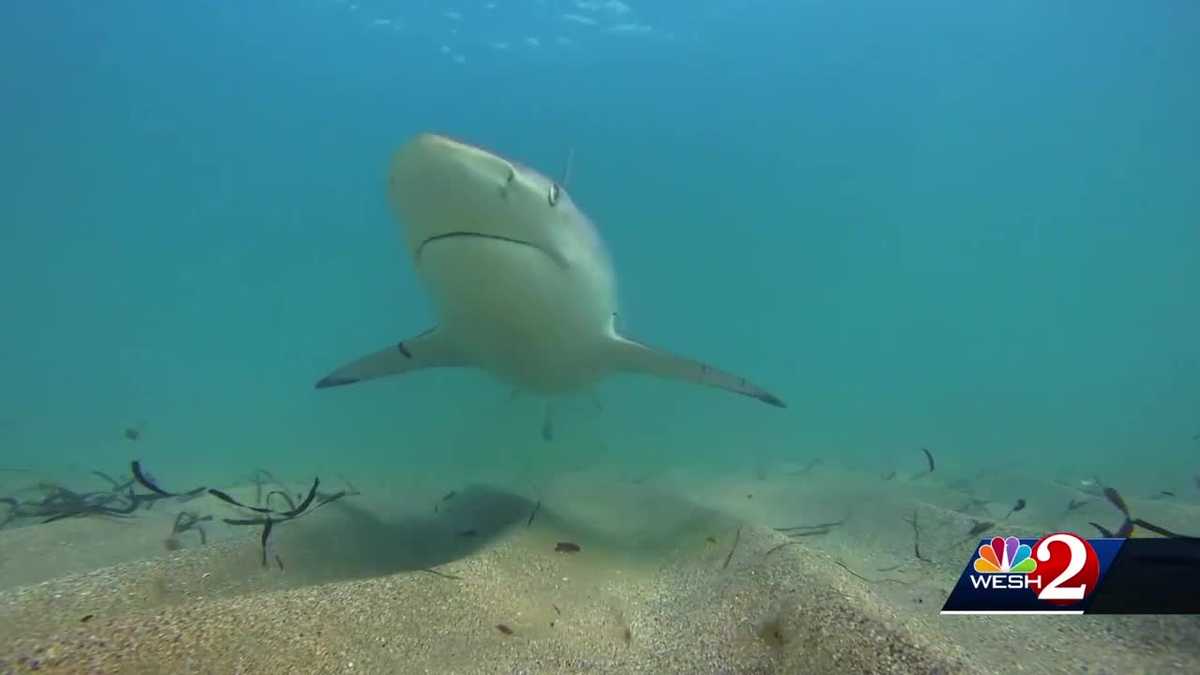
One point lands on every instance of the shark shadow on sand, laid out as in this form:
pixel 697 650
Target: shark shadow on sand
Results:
pixel 350 542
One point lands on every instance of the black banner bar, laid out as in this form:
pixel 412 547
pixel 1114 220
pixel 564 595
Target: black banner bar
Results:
pixel 1151 576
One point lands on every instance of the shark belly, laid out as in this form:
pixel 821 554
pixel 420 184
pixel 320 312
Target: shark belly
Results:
pixel 518 313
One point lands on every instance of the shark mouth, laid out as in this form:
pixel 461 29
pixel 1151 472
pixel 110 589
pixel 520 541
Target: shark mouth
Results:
pixel 482 235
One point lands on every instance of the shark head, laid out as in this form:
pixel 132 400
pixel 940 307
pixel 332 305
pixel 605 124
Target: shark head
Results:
pixel 443 190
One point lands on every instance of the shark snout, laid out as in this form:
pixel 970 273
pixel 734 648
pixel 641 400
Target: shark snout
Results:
pixel 434 152
pixel 443 190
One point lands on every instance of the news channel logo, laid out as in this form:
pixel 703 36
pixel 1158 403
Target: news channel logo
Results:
pixel 1056 574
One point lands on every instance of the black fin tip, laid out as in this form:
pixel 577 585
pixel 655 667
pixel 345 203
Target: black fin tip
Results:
pixel 335 381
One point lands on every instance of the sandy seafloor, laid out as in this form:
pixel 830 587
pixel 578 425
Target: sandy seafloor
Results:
pixel 651 591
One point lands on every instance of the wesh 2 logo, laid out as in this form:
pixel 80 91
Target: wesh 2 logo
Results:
pixel 1060 568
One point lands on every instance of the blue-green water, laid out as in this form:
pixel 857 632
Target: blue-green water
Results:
pixel 966 227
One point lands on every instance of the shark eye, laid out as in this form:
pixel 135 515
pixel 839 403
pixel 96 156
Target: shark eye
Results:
pixel 554 193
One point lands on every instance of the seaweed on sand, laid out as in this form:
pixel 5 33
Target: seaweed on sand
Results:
pixel 122 501
pixel 58 502
pixel 186 521
pixel 269 518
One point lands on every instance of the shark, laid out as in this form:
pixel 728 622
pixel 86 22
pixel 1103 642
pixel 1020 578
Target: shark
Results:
pixel 521 283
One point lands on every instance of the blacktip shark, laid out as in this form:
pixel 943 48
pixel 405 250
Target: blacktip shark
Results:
pixel 522 285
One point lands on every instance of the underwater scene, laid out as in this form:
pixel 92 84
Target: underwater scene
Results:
pixel 606 336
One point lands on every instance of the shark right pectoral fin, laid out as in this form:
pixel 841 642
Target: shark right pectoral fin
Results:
pixel 427 350
pixel 633 357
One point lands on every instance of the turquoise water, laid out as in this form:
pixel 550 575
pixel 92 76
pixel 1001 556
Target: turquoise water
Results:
pixel 970 228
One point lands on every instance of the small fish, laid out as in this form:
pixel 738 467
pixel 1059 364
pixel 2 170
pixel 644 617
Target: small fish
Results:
pixel 1020 505
pixel 889 475
pixel 132 433
pixel 929 458
pixel 536 508
pixel 468 533
pixel 566 547
pixel 1076 503
pixel 1126 529
pixel 147 481
pixel 749 496
pixel 504 629
pixel 86 618
pixel 711 540
pixel 1092 486
pixel 1116 500
pixel 449 495
pixel 1167 493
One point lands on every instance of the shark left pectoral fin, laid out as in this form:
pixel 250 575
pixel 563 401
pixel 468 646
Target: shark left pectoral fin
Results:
pixel 633 357
pixel 427 350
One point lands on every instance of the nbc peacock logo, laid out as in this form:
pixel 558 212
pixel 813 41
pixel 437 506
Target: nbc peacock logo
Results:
pixel 1005 564
pixel 1005 556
